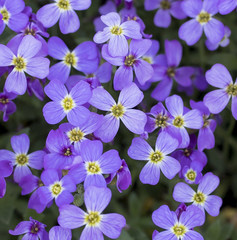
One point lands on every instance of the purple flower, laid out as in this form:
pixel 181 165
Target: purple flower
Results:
pixel 201 198
pixel 83 58
pixel 218 76
pixel 7 106
pixel 12 16
pixel 182 118
pixel 166 8
pixel 116 33
pixel 202 13
pixel 97 224
pixel 123 175
pixel 223 43
pixel 226 6
pixel 67 104
pixel 61 151
pixel 35 87
pixel 132 61
pixel 5 171
pixel 157 160
pixel 59 233
pixel 193 173
pixel 178 228
pixel 206 138
pixel 24 61
pixel 62 10
pixel 20 157
pixel 32 229
pixel 133 119
pixel 95 164
pixel 56 188
pixel 167 70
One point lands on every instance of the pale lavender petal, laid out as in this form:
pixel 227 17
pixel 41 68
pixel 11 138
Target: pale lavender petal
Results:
pixel 208 183
pixel 96 180
pixel 91 233
pixel 56 90
pixel 227 6
pixel 102 36
pixel 69 22
pixel 57 48
pixel 150 174
pixel 53 113
pixel 118 46
pixel 6 56
pixel 20 144
pixel 20 172
pixel 162 18
pixel 212 205
pixel 111 19
pixel 206 139
pixel 91 150
pixel 58 233
pixel 110 162
pixel 64 198
pixel 59 71
pixel 170 167
pixel 234 107
pixel 123 77
pixel 193 119
pixel 192 7
pixel 174 52
pixel 131 29
pixel 183 193
pixel 38 67
pixel 214 30
pixel 80 5
pixel 165 235
pixel 138 48
pixel 191 235
pixel 143 70
pixel 175 105
pixel 16 82
pixel 36 159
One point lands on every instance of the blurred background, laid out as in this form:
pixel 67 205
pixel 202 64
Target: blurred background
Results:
pixel 139 201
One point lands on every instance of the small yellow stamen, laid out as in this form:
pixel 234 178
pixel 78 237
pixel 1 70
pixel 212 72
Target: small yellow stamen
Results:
pixel 75 135
pixel 118 110
pixel 92 219
pixel 5 15
pixel 129 60
pixel 116 30
pixel 199 198
pixel 179 230
pixel 191 175
pixel 64 5
pixel 22 159
pixel 204 17
pixel 19 63
pixel 165 4
pixel 178 122
pixel 4 100
pixel 67 152
pixel 29 31
pixel 161 120
pixel 156 157
pixel 70 59
pixel 93 168
pixel 232 90
pixel 56 189
pixel 68 103
pixel 171 72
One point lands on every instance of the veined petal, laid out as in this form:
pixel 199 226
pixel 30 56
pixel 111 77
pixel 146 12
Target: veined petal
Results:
pixel 56 90
pixel 192 7
pixel 6 56
pixel 212 205
pixel 208 183
pixel 59 71
pixel 131 29
pixel 81 93
pixel 80 5
pixel 193 119
pixel 20 144
pixel 111 19
pixel 150 174
pixel 183 193
pixel 162 18
pixel 53 113
pixel 214 30
pixel 69 22
pixel 138 48
pixel 123 77
pixel 175 105
pixel 57 48
pixel 91 150
pixel 118 46
pixel 16 82
pixel 170 167
pixel 58 233
pixel 91 233
pixel 174 52
pixel 110 162
pixel 143 70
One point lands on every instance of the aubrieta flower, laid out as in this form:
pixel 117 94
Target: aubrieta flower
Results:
pixel 83 58
pixel 218 76
pixel 116 33
pixel 5 171
pixel 182 119
pixel 97 224
pixel 166 9
pixel 62 10
pixel 24 61
pixel 167 70
pixel 7 106
pixel 132 61
pixel 67 103
pixel 193 173
pixel 133 119
pixel 56 188
pixel 202 13
pixel 12 16
pixel 59 233
pixel 20 157
pixel 178 228
pixel 226 6
pixel 96 163
pixel 158 160
pixel 32 230
pixel 201 198
pixel 223 43
pixel 206 138
pixel 123 177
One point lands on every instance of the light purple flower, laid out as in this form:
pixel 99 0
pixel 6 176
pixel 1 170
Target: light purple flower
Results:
pixel 201 198
pixel 133 119
pixel 20 157
pixel 193 173
pixel 24 61
pixel 116 33
pixel 97 224
pixel 158 160
pixel 62 10
pixel 218 76
pixel 67 103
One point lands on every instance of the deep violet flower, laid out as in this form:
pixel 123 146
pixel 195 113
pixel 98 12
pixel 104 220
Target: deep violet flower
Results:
pixel 20 157
pixel 178 228
pixel 132 61
pixel 166 9
pixel 202 13
pixel 95 164
pixel 116 33
pixel 218 76
pixel 32 230
pixel 83 58
pixel 133 119
pixel 158 160
pixel 59 233
pixel 226 6
pixel 62 10
pixel 97 224
pixel 67 103
pixel 12 16
pixel 201 198
pixel 5 171
pixel 24 61
pixel 7 106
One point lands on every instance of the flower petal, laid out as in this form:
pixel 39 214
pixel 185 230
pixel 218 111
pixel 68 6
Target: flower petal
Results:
pixel 150 174
pixel 110 162
pixel 208 183
pixel 183 193
pixel 69 22
pixel 212 205
pixel 16 82
pixel 170 167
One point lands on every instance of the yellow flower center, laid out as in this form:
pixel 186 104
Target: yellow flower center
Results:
pixel 206 123
pixel 199 198
pixel 56 189
pixel 178 122
pixel 171 72
pixel 34 228
pixel 5 14
pixel 19 63
pixel 204 17
pixel 179 230
pixel 165 4
pixel 75 135
pixel 22 159
pixel 191 175
pixel 187 152
pixel 67 152
pixel 4 100
pixel 29 31
pixel 132 18
pixel 92 219
pixel 156 157
pixel 64 5
pixel 68 103
pixel 161 120
pixel 232 90
pixel 129 60
pixel 70 59
pixel 117 110
pixel 116 30
pixel 93 168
